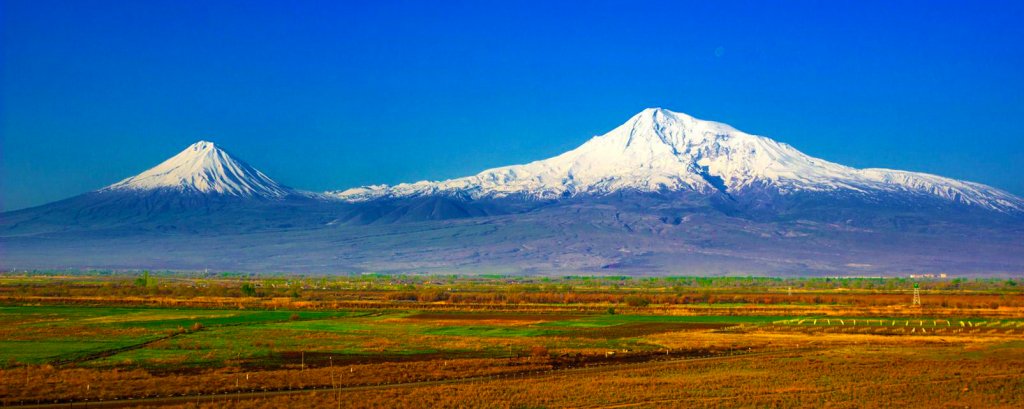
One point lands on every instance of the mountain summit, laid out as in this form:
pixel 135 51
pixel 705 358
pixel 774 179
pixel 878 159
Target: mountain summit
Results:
pixel 663 193
pixel 658 150
pixel 207 169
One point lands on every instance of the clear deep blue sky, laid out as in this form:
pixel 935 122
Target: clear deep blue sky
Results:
pixel 329 95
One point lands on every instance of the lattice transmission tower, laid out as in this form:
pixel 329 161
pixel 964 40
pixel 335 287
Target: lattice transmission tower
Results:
pixel 917 296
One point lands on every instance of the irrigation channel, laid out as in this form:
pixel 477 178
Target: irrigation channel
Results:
pixel 257 394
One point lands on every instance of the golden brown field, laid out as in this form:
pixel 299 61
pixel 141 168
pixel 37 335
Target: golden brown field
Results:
pixel 472 342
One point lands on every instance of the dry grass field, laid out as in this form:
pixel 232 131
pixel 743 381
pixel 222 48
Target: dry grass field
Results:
pixel 186 341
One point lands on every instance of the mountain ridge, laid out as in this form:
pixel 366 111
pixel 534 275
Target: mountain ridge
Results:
pixel 663 193
pixel 659 150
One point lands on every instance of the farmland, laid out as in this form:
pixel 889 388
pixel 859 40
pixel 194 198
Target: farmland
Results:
pixel 215 340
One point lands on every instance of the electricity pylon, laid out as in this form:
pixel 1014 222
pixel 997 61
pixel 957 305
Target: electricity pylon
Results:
pixel 917 296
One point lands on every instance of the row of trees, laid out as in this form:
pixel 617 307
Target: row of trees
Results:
pixel 480 291
pixel 549 284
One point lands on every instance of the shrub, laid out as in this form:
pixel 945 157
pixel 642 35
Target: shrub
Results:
pixel 248 290
pixel 636 301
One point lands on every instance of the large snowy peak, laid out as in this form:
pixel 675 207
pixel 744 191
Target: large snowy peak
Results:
pixel 659 150
pixel 204 168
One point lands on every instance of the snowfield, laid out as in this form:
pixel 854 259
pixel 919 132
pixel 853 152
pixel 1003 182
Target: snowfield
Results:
pixel 659 150
pixel 204 168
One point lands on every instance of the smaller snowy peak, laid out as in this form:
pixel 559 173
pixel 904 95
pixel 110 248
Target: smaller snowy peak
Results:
pixel 204 168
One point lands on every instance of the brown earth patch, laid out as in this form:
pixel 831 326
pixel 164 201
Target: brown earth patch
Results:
pixel 296 359
pixel 641 329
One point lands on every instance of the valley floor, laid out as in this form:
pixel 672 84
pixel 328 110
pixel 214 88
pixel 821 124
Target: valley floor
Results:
pixel 65 348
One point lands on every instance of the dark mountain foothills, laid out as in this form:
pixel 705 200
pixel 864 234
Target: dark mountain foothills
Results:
pixel 745 215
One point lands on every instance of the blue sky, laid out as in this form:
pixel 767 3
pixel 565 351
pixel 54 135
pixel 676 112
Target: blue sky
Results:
pixel 329 95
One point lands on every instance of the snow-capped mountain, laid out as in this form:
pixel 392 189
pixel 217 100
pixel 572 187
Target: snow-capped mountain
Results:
pixel 662 193
pixel 659 150
pixel 202 188
pixel 204 168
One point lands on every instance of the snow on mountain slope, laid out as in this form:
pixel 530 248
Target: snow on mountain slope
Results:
pixel 204 168
pixel 661 150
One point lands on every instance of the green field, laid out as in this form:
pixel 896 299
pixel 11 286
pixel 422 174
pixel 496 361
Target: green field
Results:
pixel 572 341
pixel 46 334
pixel 155 338
pixel 969 323
pixel 164 337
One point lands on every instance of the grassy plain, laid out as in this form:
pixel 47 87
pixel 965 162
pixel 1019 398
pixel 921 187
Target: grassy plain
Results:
pixel 428 341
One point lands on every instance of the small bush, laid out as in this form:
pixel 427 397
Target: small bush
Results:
pixel 248 290
pixel 636 301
